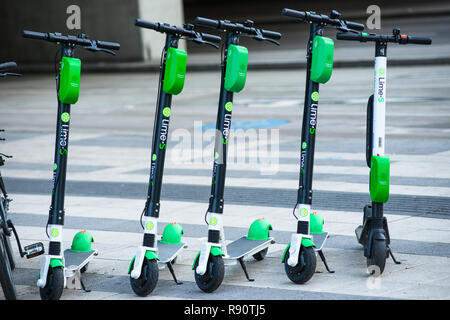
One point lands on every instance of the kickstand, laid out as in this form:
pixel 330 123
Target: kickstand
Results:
pixel 169 266
pixel 241 261
pixel 392 256
pixel 325 261
pixel 82 286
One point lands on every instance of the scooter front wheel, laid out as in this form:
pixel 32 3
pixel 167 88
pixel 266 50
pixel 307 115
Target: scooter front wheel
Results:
pixel 146 283
pixel 305 268
pixel 378 256
pixel 213 277
pixel 54 286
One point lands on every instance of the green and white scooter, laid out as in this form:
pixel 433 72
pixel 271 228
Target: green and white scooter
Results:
pixel 143 268
pixel 63 269
pixel 208 264
pixel 373 234
pixel 299 256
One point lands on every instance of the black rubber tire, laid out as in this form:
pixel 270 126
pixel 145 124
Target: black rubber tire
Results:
pixel 367 213
pixel 378 256
pixel 55 284
pixel 261 254
pixel 6 277
pixel 9 251
pixel 146 283
pixel 305 268
pixel 213 277
pixel 85 267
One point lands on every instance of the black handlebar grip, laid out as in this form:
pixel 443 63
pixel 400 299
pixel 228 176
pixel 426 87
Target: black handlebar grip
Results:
pixel 293 13
pixel 211 38
pixel 34 35
pixel 271 34
pixel 349 36
pixel 108 45
pixel 204 22
pixel 354 25
pixel 146 24
pixel 419 40
pixel 7 65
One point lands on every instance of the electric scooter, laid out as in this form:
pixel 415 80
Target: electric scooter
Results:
pixel 373 234
pixel 7 228
pixel 64 270
pixel 143 268
pixel 208 265
pixel 299 256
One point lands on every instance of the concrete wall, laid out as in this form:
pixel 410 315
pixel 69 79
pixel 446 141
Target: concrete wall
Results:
pixel 169 11
pixel 108 20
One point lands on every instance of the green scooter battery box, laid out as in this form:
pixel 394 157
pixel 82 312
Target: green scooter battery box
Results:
pixel 322 59
pixel 379 179
pixel 175 71
pixel 236 70
pixel 69 80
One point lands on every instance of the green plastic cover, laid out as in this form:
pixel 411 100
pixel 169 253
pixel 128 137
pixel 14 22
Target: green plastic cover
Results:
pixel 379 179
pixel 172 233
pixel 236 71
pixel 259 230
pixel 316 222
pixel 322 59
pixel 82 242
pixel 175 71
pixel 69 80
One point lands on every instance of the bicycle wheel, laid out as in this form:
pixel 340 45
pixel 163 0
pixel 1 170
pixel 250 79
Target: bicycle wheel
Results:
pixel 9 252
pixel 6 278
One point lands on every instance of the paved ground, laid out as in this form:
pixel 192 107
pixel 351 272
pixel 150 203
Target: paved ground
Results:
pixel 109 160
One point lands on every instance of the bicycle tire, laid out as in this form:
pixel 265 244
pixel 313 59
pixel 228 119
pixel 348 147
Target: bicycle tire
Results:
pixel 6 277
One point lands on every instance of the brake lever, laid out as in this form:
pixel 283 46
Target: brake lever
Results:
pixel 205 42
pixel 94 48
pixel 6 156
pixel 198 39
pixel 259 36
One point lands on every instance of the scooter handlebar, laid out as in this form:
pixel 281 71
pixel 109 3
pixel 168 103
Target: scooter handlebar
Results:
pixel 205 22
pixel 354 25
pixel 271 34
pixel 182 31
pixel 210 37
pixel 293 13
pixel 34 35
pixel 147 24
pixel 238 27
pixel 349 36
pixel 397 38
pixel 322 18
pixel 108 45
pixel 419 40
pixel 80 40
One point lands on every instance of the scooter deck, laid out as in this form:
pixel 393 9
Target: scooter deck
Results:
pixel 243 246
pixel 168 251
pixel 77 260
pixel 319 240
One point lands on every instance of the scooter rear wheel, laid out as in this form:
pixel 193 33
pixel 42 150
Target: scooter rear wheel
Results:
pixel 213 277
pixel 305 268
pixel 54 286
pixel 378 256
pixel 261 254
pixel 148 279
